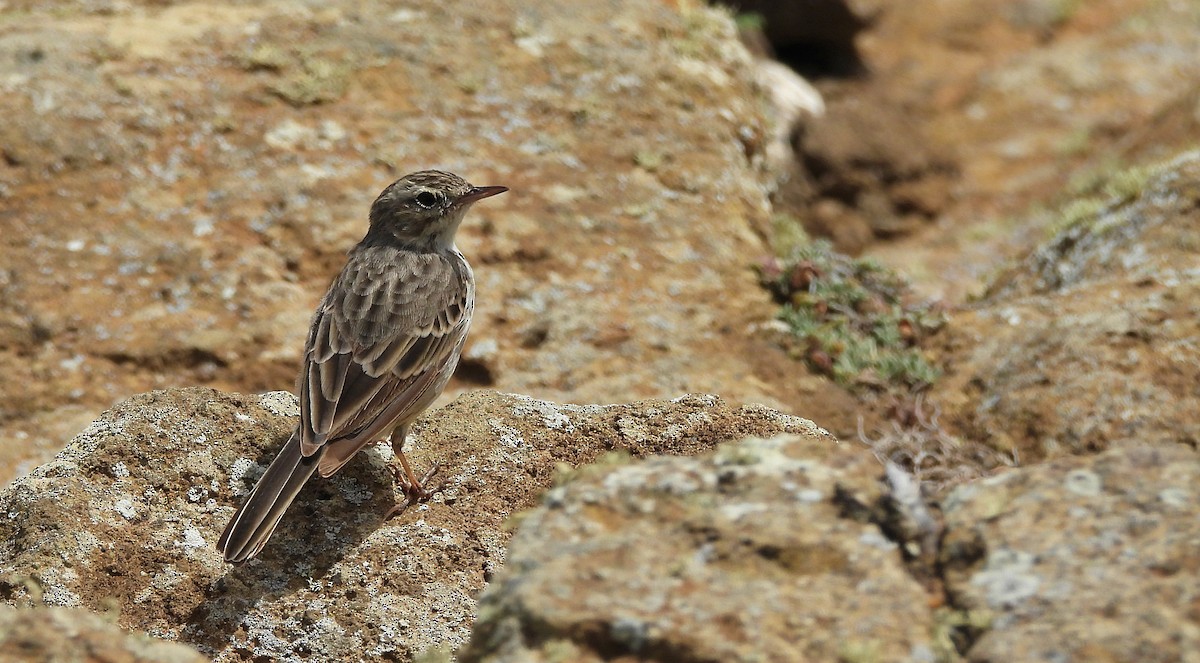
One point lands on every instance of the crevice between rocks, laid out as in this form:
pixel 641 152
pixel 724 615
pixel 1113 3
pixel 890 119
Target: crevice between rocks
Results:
pixel 904 517
pixel 187 358
pixel 611 643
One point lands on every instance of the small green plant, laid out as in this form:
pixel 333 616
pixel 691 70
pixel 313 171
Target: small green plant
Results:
pixel 302 76
pixel 750 21
pixel 315 80
pixel 1098 192
pixel 851 319
pixel 787 235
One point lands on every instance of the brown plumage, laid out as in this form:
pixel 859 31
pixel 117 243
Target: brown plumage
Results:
pixel 382 345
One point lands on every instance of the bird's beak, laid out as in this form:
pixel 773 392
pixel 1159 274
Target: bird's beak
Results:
pixel 481 192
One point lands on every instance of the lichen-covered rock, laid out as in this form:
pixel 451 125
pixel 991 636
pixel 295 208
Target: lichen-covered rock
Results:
pixel 750 553
pixel 67 635
pixel 180 181
pixel 1092 341
pixel 1081 559
pixel 127 516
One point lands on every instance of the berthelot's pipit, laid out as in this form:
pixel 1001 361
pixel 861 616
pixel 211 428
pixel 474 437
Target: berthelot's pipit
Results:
pixel 382 345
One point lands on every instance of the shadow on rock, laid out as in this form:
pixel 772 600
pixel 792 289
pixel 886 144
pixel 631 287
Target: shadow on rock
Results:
pixel 129 513
pixel 329 517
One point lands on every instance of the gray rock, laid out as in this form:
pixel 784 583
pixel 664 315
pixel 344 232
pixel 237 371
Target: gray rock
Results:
pixel 1081 559
pixel 66 635
pixel 184 180
pixel 750 553
pixel 127 516
pixel 1090 342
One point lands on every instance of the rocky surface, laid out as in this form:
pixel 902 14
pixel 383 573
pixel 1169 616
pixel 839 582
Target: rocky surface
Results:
pixel 1029 99
pixel 872 174
pixel 180 182
pixel 686 530
pixel 65 635
pixel 127 515
pixel 1080 559
pixel 756 552
pixel 1092 341
pixel 950 126
pixel 792 549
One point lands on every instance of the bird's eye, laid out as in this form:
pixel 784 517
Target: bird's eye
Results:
pixel 427 199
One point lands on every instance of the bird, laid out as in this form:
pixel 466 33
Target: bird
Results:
pixel 381 347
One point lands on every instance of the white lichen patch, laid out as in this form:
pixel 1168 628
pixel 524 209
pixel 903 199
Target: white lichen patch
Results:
pixel 120 471
pixel 662 475
pixel 509 436
pixel 1176 497
pixel 126 508
pixel 166 579
pixel 1008 579
pixel 86 544
pixel 419 530
pixel 289 134
pixel 282 403
pixel 875 539
pixel 56 593
pixel 551 415
pixel 706 400
pixel 192 538
pixel 1084 482
pixel 699 418
pixel 738 510
pixel 237 475
pixel 805 495
pixel 633 429
pixel 768 457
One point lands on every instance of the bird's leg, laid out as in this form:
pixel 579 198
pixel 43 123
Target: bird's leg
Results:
pixel 414 489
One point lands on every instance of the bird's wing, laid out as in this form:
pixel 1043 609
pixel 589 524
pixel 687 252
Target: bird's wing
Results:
pixel 388 325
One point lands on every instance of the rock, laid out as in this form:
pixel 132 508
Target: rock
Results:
pixel 1090 342
pixel 1032 97
pixel 872 155
pixel 750 553
pixel 793 102
pixel 128 514
pixel 180 184
pixel 768 540
pixel 1080 559
pixel 66 635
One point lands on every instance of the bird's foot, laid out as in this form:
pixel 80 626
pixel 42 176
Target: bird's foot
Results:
pixel 414 492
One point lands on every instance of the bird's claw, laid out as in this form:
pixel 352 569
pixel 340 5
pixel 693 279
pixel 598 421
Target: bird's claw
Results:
pixel 415 493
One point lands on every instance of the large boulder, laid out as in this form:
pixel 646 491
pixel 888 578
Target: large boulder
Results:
pixel 180 182
pixel 755 552
pixel 1080 559
pixel 1090 342
pixel 127 515
pixel 686 530
pixel 72 635
pixel 792 549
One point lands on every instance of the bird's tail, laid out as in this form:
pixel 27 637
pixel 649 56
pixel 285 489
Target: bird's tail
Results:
pixel 252 525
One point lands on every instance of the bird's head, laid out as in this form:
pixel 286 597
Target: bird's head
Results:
pixel 426 207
